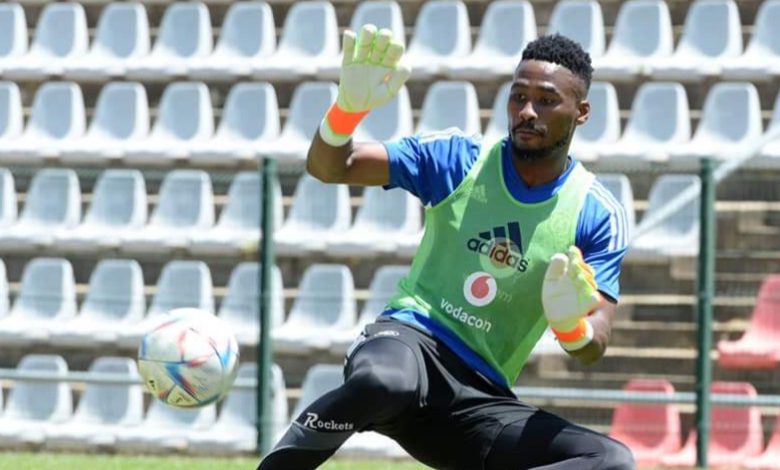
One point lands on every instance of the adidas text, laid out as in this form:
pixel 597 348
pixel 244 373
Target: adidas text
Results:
pixel 498 253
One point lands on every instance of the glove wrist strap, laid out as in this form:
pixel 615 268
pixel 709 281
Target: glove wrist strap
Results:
pixel 576 338
pixel 338 125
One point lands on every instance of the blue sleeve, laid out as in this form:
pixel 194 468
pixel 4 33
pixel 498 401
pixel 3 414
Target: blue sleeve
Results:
pixel 602 235
pixel 431 166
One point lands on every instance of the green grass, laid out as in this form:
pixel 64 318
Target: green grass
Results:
pixel 39 461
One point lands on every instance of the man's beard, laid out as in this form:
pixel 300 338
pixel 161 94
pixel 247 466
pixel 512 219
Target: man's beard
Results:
pixel 529 155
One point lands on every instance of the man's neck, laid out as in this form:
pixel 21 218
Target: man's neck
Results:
pixel 540 172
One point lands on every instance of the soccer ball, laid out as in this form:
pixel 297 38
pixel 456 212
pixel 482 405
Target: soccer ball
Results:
pixel 189 360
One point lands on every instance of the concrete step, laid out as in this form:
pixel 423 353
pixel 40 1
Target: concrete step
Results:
pixel 628 333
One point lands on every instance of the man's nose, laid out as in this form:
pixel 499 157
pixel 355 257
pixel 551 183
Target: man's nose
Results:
pixel 527 112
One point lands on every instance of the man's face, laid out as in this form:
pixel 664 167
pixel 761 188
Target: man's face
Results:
pixel 546 103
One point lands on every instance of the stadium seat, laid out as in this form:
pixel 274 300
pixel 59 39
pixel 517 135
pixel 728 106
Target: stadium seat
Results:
pixel 507 26
pixel 390 121
pixel 184 121
pixel 235 429
pixel 380 13
pixel 677 235
pixel 34 405
pixel 383 287
pixel 620 187
pixel 643 31
pixel 238 228
pixel 182 283
pixel 239 307
pixel 325 305
pixel 602 129
pixel 649 430
pixel 581 21
pixel 407 246
pixel 102 409
pixel 185 205
pixel 13 33
pixel 310 36
pixel 60 35
pixel 165 429
pixel 115 299
pixel 11 116
pixel 309 102
pixel 7 199
pixel 761 59
pixel 248 35
pixel 122 35
pixel 118 206
pixel 184 35
pixel 441 32
pixel 121 118
pixel 735 436
pixel 450 104
pixel 769 459
pixel 250 119
pixel 659 120
pixel 712 33
pixel 57 115
pixel 771 151
pixel 384 216
pixel 318 209
pixel 759 346
pixel 47 295
pixel 497 127
pixel 731 121
pixel 52 206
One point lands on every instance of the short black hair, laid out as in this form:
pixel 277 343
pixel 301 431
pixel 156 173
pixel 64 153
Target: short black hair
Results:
pixel 562 51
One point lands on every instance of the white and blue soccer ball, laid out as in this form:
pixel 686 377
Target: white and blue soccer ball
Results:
pixel 190 359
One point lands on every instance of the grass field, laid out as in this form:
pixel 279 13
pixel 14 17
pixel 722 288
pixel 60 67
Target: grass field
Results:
pixel 40 461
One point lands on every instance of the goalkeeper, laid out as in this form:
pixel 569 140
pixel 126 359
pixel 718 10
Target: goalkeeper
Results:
pixel 518 236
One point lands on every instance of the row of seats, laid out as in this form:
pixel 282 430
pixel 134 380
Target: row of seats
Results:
pixel 652 431
pixel 658 129
pixel 711 43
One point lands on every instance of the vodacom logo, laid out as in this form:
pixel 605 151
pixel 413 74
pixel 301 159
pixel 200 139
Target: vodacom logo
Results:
pixel 480 289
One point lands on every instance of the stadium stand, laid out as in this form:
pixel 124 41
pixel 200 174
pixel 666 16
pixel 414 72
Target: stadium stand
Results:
pixel 11 119
pixel 449 104
pixel 771 150
pixel 769 459
pixel 603 126
pixel 7 198
pixel 582 21
pixel 441 32
pixel 761 59
pixel 13 38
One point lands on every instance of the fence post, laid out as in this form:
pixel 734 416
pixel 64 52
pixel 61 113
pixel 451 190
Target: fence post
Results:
pixel 706 290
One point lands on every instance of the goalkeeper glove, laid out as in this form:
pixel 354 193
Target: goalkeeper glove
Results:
pixel 569 294
pixel 370 76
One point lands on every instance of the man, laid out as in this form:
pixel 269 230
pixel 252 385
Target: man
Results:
pixel 518 236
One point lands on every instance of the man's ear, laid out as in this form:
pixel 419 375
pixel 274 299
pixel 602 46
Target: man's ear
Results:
pixel 584 112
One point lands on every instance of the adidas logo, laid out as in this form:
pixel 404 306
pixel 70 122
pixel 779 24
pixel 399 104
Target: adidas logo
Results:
pixel 478 193
pixel 503 245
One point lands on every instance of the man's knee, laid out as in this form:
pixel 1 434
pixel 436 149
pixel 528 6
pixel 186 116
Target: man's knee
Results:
pixel 617 456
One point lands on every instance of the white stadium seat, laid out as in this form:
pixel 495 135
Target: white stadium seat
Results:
pixel 184 121
pixel 164 429
pixel 507 27
pixel 185 34
pixel 32 405
pixel 441 32
pixel 122 35
pixel 659 120
pixel 121 118
pixel 115 300
pixel 581 21
pixel 7 199
pixel 239 307
pixel 238 228
pixel 390 121
pixel 52 206
pixel 47 294
pixel 248 36
pixel 382 14
pixel 250 120
pixel 643 31
pixel 60 35
pixel 102 409
pixel 11 115
pixel 383 218
pixel 182 283
pixel 310 36
pixel 761 59
pixel 771 150
pixel 603 126
pixel 13 33
pixel 318 209
pixel 5 304
pixel 57 116
pixel 118 206
pixel 449 104
pixel 712 33
pixel 325 305
pixel 310 101
pixel 498 127
pixel 185 205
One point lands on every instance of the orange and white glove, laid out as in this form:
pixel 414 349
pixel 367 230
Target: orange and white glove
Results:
pixel 569 294
pixel 370 76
